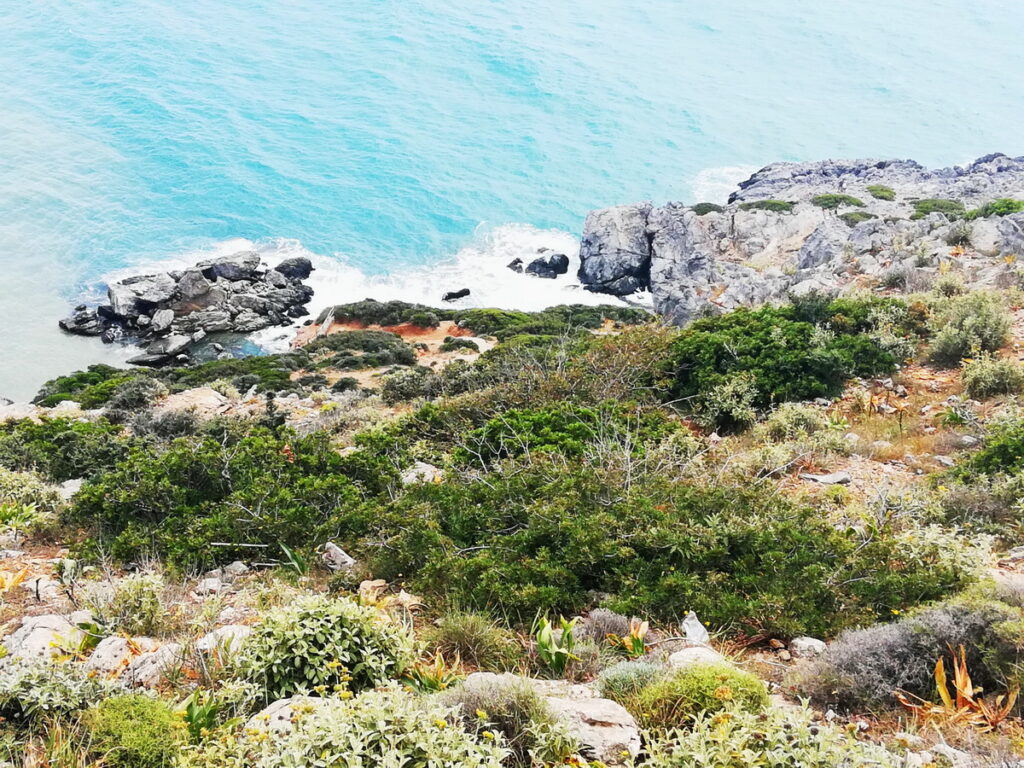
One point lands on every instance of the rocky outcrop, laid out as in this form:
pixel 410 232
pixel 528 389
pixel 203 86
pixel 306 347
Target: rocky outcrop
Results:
pixel 168 312
pixel 548 265
pixel 698 259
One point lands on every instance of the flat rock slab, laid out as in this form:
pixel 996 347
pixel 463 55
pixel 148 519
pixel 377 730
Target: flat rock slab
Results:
pixel 41 637
pixel 834 478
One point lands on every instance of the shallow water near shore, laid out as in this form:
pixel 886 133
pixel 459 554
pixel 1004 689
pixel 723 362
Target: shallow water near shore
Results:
pixel 389 138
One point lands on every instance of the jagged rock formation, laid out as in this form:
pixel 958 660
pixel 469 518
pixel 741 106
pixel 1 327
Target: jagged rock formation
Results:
pixel 170 311
pixel 694 259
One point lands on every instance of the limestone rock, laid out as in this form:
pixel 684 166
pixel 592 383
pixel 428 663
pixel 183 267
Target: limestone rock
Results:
pixel 549 265
pixel 833 478
pixel 605 730
pixel 113 654
pixel 148 669
pixel 237 266
pixel 278 717
pixel 336 558
pixel 615 253
pixel 806 647
pixel 298 267
pixel 228 638
pixel 695 656
pixel 40 637
pixel 421 472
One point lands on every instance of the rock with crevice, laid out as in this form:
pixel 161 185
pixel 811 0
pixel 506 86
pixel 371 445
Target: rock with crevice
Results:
pixel 42 637
pixel 148 669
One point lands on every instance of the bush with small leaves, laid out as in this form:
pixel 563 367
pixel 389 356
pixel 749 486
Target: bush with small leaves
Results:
pixel 135 605
pixel 678 699
pixel 476 639
pixel 27 488
pixel 166 425
pixel 135 394
pixel 853 218
pixel 781 738
pixel 951 209
pixel 775 206
pixel 949 285
pixel 455 343
pixel 510 707
pixel 323 645
pixel 987 376
pixel 624 681
pixel 1002 207
pixel 968 325
pixel 881 192
pixel 407 384
pixel 387 727
pixel 37 690
pixel 703 209
pixel 834 201
pixel 791 421
pixel 61 449
pixel 959 234
pixel 862 667
pixel 345 384
pixel 600 623
pixel 351 350
pixel 134 731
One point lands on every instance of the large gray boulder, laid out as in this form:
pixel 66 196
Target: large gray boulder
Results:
pixel 237 266
pixel 148 669
pixel 615 253
pixel 297 267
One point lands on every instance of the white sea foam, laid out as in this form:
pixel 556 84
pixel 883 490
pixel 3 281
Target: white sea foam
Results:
pixel 714 185
pixel 481 266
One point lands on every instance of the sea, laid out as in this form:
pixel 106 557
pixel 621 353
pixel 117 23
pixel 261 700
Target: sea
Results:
pixel 411 147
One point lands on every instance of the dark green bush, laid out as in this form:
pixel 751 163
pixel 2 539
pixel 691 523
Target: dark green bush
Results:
pixel 134 731
pixel 1001 453
pixel 881 192
pixel 545 536
pixel 272 373
pixel 1001 207
pixel 345 384
pixel 349 350
pixel 968 325
pixel 387 313
pixel 91 388
pixel 554 321
pixel 834 201
pixel 853 218
pixel 454 344
pixel 953 209
pixel 702 209
pixel 776 350
pixel 245 485
pixel 62 449
pixel 775 206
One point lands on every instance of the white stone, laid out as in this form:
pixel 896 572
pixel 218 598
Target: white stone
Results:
pixel 336 558
pixel 236 569
pixel 697 655
pixel 278 716
pixel 41 637
pixel 209 586
pixel 227 639
pixel 421 472
pixel 148 668
pixel 113 654
pixel 834 478
pixel 806 647
pixel 605 730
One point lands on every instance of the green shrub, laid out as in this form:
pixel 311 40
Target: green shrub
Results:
pixel 350 350
pixel 834 201
pixel 377 728
pixel 775 206
pixel 678 699
pixel 1004 206
pixel 863 667
pixel 881 192
pixel 136 604
pixel 26 488
pixel 345 384
pixel 476 639
pixel 959 234
pixel 135 394
pixel 988 376
pixel 853 218
pixel 91 388
pixel 407 384
pixel 509 706
pixel 1001 454
pixel 134 731
pixel 268 373
pixel 782 738
pixel 454 344
pixel 792 421
pixel 952 209
pixel 36 690
pixel 61 449
pixel 386 313
pixel 949 285
pixel 323 645
pixel 968 325
pixel 703 209
pixel 534 537
pixel 624 681
pixel 553 321
pixel 776 351
pixel 237 484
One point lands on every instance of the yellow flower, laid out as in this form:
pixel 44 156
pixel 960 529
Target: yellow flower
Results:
pixel 481 714
pixel 346 694
pixel 441 723
pixel 487 735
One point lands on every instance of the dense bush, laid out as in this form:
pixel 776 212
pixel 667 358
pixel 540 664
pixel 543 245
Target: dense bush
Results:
pixel 34 690
pixel 1002 452
pixel 777 351
pixel 553 321
pixel 61 449
pixel 675 700
pixel 988 376
pixel 853 218
pixel 322 645
pixel 1004 206
pixel 476 639
pixel 241 485
pixel 881 192
pixel 455 343
pixel 834 201
pixel 703 209
pixel 510 707
pixel 91 387
pixel 968 325
pixel 378 728
pixel 134 731
pixel 386 313
pixel 778 737
pixel 26 488
pixel 792 421
pixel 538 537
pixel 863 667
pixel 624 681
pixel 775 206
pixel 349 350
pixel 135 606
pixel 268 373
pixel 952 209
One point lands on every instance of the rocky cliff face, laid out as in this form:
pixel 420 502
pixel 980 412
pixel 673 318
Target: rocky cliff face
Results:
pixel 778 234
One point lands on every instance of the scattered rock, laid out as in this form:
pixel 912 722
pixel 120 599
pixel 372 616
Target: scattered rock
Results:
pixel 549 266
pixel 235 569
pixel 113 654
pixel 807 647
pixel 605 730
pixel 297 268
pixel 278 717
pixel 421 472
pixel 148 669
pixel 228 638
pixel 209 586
pixel 834 478
pixel 456 295
pixel 696 633
pixel 516 265
pixel 336 558
pixel 968 441
pixel 41 636
pixel 945 461
pixel 698 654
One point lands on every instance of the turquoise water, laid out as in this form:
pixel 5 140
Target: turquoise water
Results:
pixel 387 135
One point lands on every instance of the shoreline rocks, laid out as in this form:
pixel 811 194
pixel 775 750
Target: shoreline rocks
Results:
pixel 777 235
pixel 168 312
